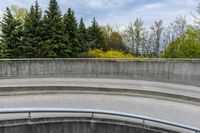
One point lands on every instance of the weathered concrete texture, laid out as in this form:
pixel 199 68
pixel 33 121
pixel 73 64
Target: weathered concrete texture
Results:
pixel 165 109
pixel 123 87
pixel 78 126
pixel 174 71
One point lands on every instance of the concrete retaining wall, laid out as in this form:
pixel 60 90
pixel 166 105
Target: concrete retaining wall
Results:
pixel 76 126
pixel 172 71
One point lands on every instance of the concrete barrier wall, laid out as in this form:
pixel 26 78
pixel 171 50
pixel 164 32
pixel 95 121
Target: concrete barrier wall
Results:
pixel 172 71
pixel 75 127
pixel 78 126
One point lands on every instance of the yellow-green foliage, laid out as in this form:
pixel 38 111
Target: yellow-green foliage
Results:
pixel 187 47
pixel 98 53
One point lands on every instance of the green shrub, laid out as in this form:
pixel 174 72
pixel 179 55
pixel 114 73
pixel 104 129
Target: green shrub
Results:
pixel 98 53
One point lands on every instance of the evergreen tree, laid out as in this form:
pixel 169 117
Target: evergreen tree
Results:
pixel 83 36
pixel 1 50
pixel 95 36
pixel 11 35
pixel 32 32
pixel 54 39
pixel 71 29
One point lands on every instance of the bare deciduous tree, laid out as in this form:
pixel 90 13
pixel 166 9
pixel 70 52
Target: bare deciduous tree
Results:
pixel 134 36
pixel 175 30
pixel 129 37
pixel 157 30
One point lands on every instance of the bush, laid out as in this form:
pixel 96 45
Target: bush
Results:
pixel 186 47
pixel 183 48
pixel 98 53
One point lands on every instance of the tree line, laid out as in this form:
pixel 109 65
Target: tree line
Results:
pixel 151 42
pixel 34 34
pixel 177 40
pixel 51 35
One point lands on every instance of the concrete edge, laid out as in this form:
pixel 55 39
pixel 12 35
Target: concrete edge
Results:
pixel 108 59
pixel 30 90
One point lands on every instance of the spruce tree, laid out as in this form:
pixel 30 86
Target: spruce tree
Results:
pixel 1 50
pixel 95 36
pixel 32 32
pixel 83 36
pixel 54 39
pixel 11 35
pixel 71 29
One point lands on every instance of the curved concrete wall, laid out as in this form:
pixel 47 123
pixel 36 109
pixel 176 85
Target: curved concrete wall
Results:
pixel 76 126
pixel 174 71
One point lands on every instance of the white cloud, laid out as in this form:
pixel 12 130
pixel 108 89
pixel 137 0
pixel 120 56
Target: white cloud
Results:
pixel 107 3
pixel 118 12
pixel 151 12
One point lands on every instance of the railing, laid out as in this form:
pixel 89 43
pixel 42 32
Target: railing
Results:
pixel 93 112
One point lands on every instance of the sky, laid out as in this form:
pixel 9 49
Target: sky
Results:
pixel 119 13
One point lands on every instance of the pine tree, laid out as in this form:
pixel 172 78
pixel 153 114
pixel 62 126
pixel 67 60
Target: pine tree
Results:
pixel 71 29
pixel 95 36
pixel 83 36
pixel 1 50
pixel 32 32
pixel 54 39
pixel 11 35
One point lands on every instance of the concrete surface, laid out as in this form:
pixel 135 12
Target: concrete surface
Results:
pixel 172 71
pixel 148 88
pixel 180 112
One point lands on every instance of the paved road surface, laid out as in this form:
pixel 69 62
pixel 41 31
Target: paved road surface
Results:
pixel 192 91
pixel 168 110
